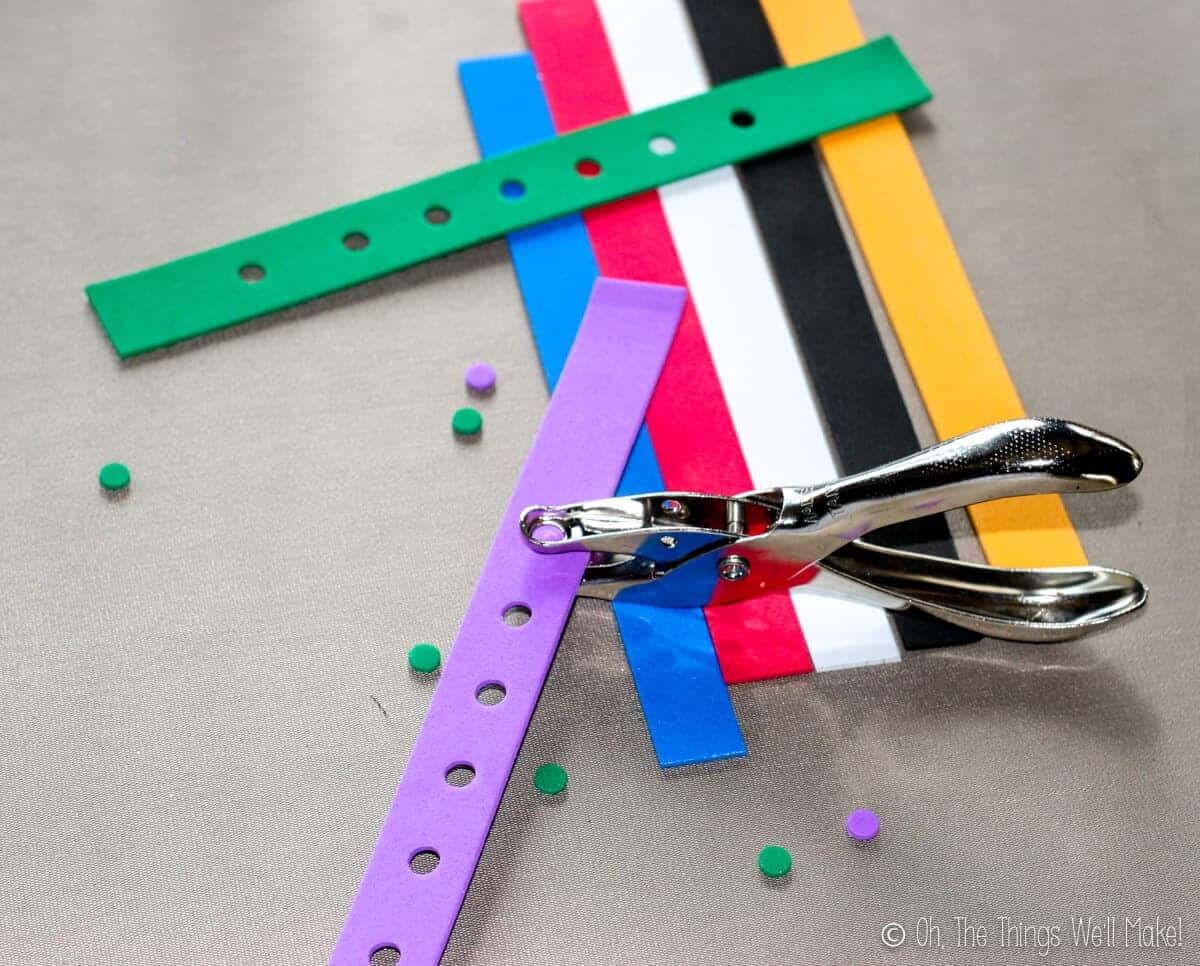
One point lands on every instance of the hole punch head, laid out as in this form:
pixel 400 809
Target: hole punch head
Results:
pixel 252 273
pixel 544 526
pixel 385 956
pixel 551 532
pixel 742 118
pixel 355 241
pixel 587 167
pixel 512 189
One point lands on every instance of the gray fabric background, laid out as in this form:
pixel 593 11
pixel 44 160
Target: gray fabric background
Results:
pixel 204 703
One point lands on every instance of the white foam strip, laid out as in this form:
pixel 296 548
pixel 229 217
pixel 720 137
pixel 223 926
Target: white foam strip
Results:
pixel 776 417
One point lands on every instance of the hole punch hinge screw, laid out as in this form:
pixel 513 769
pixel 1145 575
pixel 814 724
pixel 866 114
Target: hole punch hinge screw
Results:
pixel 734 568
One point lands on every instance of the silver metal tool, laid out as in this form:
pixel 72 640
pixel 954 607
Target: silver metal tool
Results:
pixel 697 550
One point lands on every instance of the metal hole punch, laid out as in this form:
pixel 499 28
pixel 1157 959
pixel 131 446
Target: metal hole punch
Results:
pixel 699 550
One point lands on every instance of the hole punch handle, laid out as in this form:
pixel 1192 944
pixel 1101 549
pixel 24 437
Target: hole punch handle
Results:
pixel 1036 606
pixel 1015 458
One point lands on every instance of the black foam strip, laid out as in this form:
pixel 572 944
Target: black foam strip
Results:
pixel 821 291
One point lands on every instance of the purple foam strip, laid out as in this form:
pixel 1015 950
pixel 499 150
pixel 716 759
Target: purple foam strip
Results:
pixel 578 453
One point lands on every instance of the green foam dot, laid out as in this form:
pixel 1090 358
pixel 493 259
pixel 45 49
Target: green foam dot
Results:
pixel 467 421
pixel 550 779
pixel 774 861
pixel 114 476
pixel 424 658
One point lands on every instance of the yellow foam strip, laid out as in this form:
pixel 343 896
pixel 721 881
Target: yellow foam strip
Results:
pixel 954 359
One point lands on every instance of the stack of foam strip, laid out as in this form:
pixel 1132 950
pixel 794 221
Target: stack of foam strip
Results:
pixel 774 375
pixel 778 374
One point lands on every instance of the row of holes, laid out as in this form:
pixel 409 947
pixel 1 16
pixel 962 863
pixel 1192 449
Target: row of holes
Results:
pixel 512 189
pixel 458 775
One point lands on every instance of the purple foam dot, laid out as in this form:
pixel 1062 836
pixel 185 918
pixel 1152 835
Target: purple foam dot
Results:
pixel 862 825
pixel 481 378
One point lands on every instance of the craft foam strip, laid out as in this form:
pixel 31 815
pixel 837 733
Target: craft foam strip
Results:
pixel 688 418
pixel 326 252
pixel 777 420
pixel 580 448
pixel 686 705
pixel 945 337
pixel 851 375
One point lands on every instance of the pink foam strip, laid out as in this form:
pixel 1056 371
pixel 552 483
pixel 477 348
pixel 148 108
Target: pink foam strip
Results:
pixel 578 453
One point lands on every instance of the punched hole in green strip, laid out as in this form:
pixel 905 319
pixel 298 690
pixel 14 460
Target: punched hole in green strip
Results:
pixel 512 189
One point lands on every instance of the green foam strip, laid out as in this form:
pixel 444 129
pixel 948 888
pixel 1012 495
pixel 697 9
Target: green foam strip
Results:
pixel 345 246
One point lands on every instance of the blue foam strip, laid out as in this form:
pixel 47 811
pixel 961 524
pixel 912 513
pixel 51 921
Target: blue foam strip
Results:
pixel 684 698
